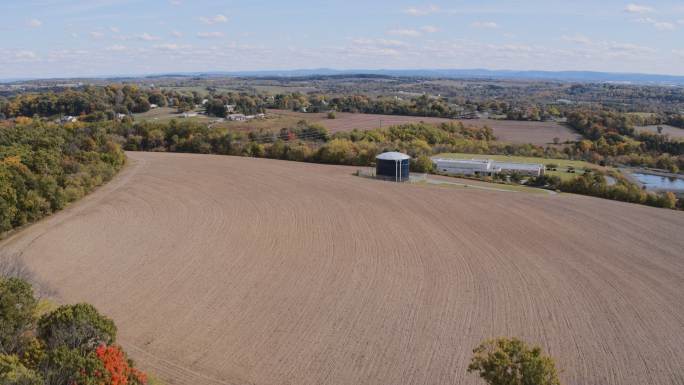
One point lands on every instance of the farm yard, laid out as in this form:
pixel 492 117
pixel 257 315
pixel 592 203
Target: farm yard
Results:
pixel 225 270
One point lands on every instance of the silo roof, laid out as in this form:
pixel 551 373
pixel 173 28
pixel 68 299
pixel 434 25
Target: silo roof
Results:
pixel 392 156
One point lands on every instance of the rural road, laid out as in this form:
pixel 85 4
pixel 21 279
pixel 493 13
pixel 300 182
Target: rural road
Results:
pixel 224 270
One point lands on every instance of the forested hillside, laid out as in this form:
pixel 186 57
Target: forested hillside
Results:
pixel 45 166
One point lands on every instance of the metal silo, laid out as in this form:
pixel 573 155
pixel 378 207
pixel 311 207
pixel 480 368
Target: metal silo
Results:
pixel 392 166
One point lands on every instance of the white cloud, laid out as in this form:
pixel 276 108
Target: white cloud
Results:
pixel 637 8
pixel 429 29
pixel 34 23
pixel 658 24
pixel 147 37
pixel 361 52
pixel 171 47
pixel 366 47
pixel 176 34
pixel 578 39
pixel 114 29
pixel 627 50
pixel 380 42
pixel 366 51
pixel 610 49
pixel 209 35
pixel 214 20
pixel 116 47
pixel 175 2
pixel 96 34
pixel 484 24
pixel 680 21
pixel 25 55
pixel 664 26
pixel 422 11
pixel 404 32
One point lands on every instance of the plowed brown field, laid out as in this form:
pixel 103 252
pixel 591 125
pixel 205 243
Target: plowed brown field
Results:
pixel 222 270
pixel 539 133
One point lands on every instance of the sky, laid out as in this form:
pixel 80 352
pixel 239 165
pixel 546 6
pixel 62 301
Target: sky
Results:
pixel 60 38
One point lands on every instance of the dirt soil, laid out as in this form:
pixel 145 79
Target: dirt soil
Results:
pixel 539 133
pixel 226 270
pixel 673 132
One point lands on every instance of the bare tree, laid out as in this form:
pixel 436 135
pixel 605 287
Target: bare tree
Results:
pixel 12 266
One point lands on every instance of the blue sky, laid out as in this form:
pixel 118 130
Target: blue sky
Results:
pixel 51 38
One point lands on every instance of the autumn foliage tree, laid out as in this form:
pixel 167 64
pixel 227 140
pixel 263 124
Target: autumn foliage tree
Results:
pixel 71 345
pixel 510 361
pixel 119 368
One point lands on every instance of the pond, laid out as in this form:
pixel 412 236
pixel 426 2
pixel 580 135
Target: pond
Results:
pixel 657 182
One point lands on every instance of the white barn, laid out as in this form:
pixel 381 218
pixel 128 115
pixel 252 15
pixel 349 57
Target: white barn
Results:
pixel 482 167
pixel 485 167
pixel 528 169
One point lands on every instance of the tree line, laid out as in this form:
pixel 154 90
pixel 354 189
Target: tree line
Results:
pixel 45 166
pixel 676 120
pixel 304 141
pixel 610 138
pixel 594 183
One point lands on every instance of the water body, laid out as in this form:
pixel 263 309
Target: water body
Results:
pixel 657 182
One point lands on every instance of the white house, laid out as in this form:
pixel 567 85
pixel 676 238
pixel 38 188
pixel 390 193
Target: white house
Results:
pixel 153 106
pixel 189 114
pixel 230 108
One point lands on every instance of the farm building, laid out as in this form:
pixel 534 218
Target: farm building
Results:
pixel 392 166
pixel 486 167
pixel 483 167
pixel 528 169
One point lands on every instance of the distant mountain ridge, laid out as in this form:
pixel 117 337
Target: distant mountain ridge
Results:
pixel 574 76
pixel 566 76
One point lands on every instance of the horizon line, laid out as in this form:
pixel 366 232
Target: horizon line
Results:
pixel 351 71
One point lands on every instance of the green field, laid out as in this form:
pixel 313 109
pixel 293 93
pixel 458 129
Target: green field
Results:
pixel 562 170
